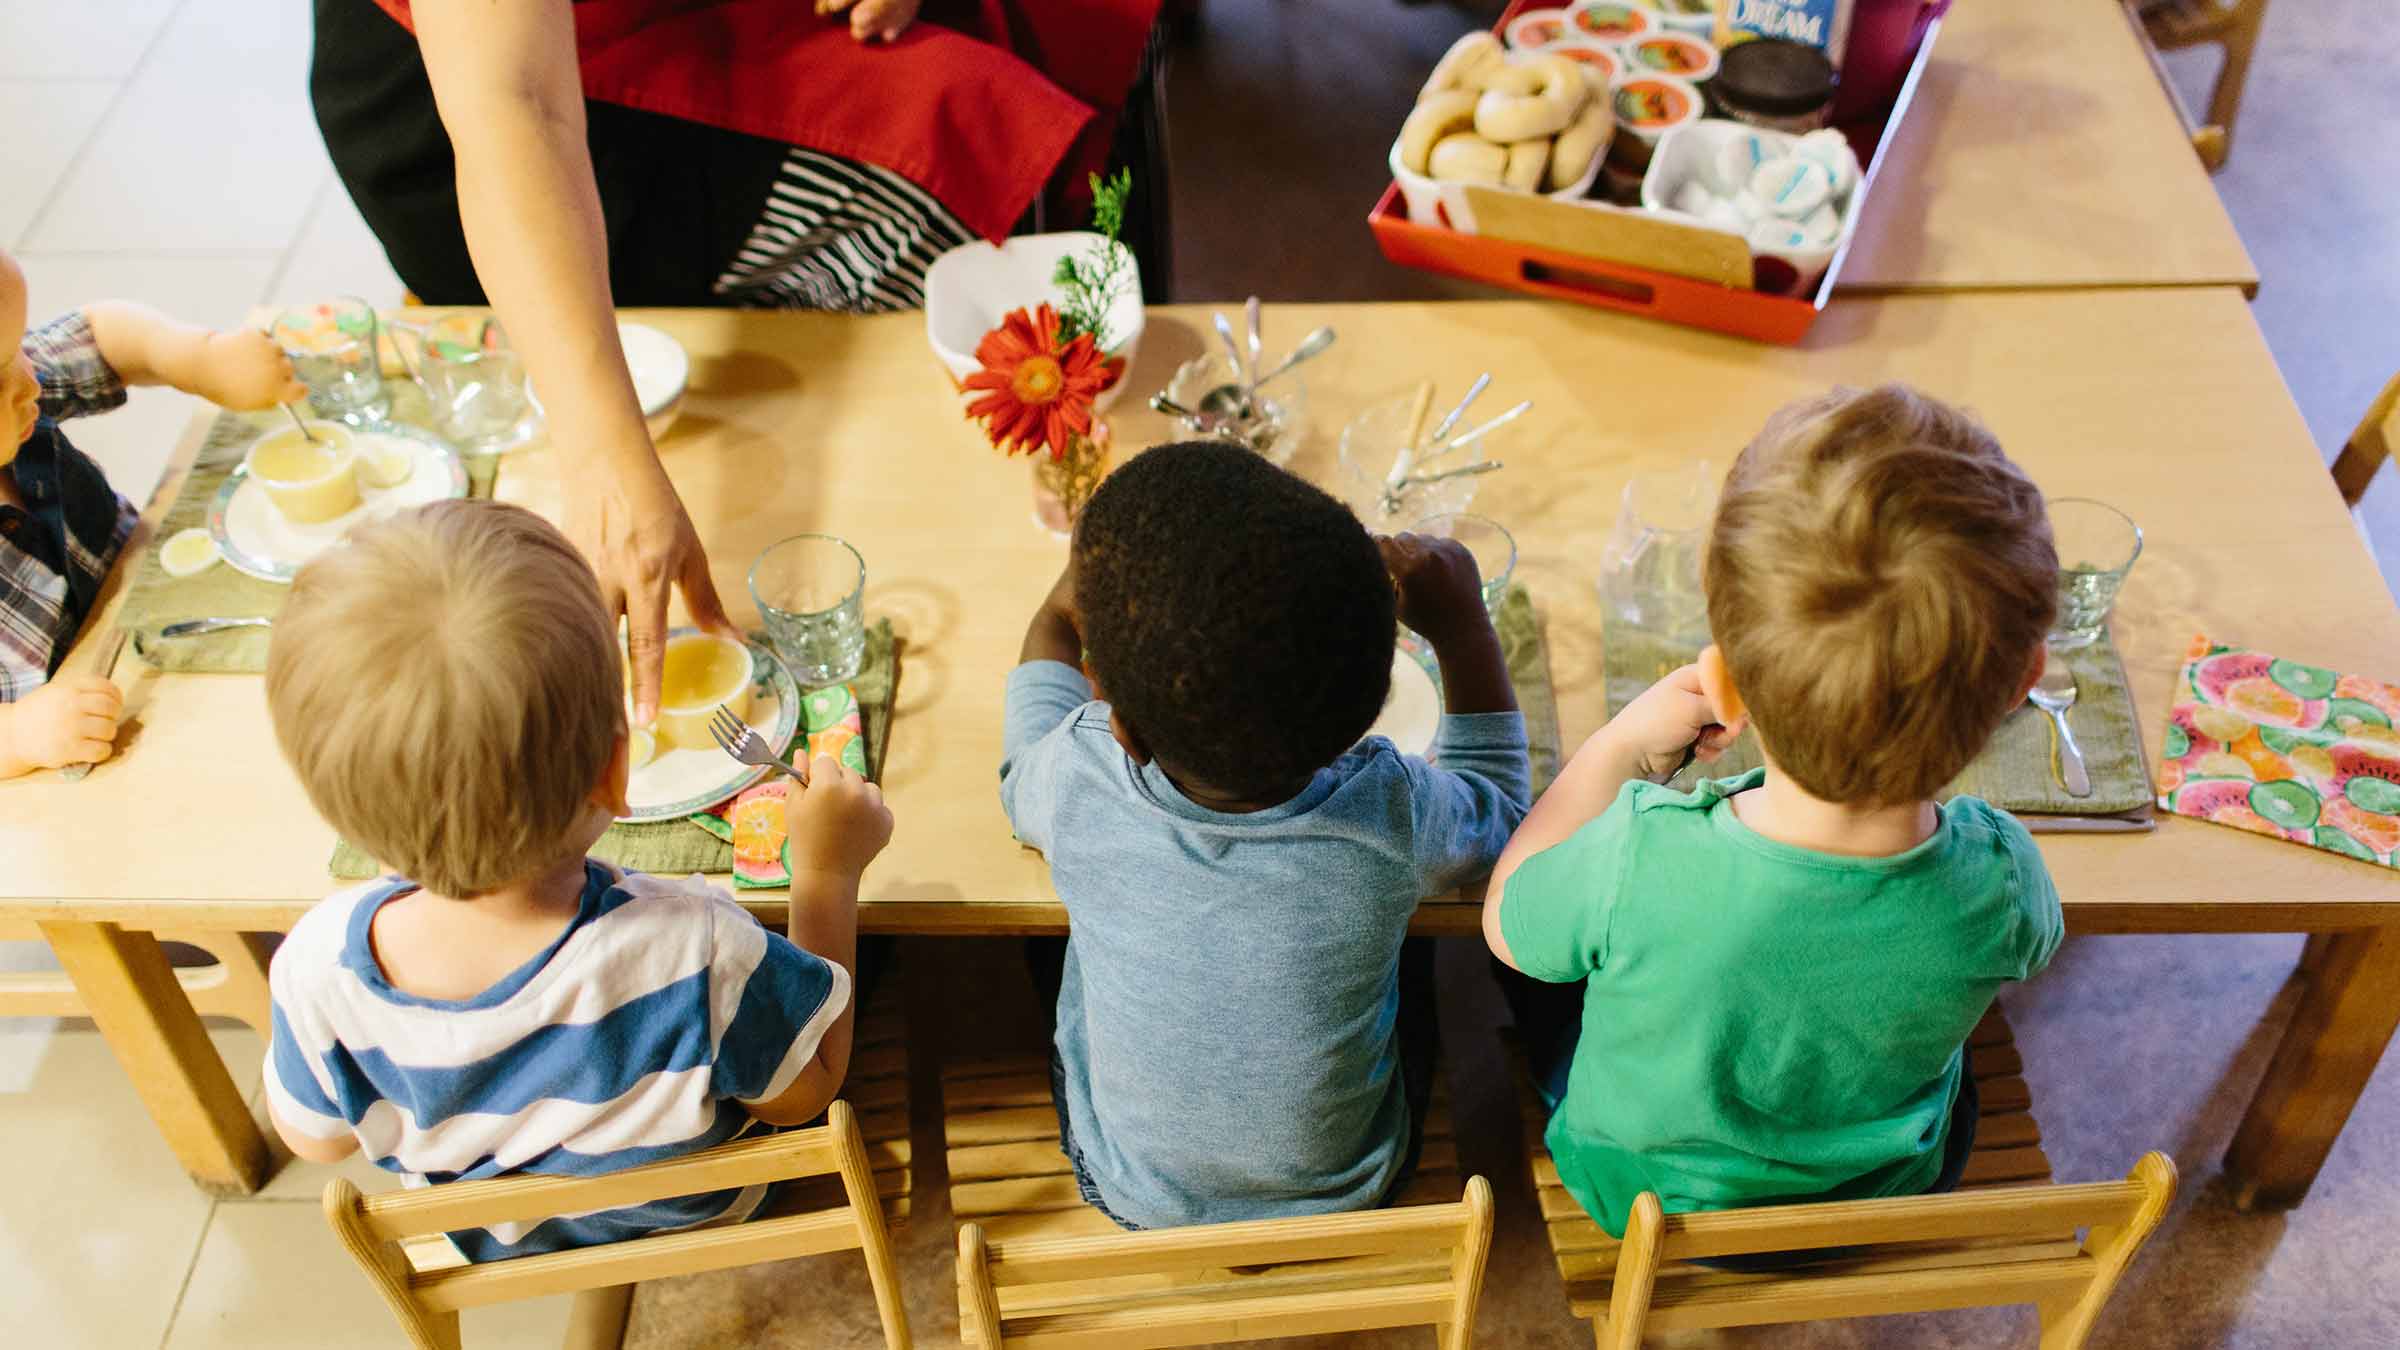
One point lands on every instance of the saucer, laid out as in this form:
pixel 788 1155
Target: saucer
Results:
pixel 680 783
pixel 257 540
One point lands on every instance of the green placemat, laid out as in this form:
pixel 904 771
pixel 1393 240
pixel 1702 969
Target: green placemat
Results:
pixel 1528 656
pixel 679 847
pixel 2013 773
pixel 155 599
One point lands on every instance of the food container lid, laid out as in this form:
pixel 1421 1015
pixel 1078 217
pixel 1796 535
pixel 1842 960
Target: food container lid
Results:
pixel 1595 54
pixel 1649 104
pixel 1608 21
pixel 1671 54
pixel 1537 28
pixel 1774 77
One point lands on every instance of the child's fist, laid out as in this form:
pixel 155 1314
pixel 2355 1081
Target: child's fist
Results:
pixel 245 370
pixel 1441 596
pixel 70 720
pixel 1668 719
pixel 837 824
pixel 872 19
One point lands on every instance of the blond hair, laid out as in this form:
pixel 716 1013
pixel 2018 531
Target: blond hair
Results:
pixel 1879 578
pixel 448 688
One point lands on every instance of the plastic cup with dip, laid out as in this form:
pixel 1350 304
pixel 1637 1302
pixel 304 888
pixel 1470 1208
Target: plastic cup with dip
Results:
pixel 703 673
pixel 1610 22
pixel 1536 28
pixel 1676 54
pixel 1597 55
pixel 1648 106
pixel 308 481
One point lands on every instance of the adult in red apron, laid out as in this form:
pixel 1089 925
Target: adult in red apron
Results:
pixel 560 158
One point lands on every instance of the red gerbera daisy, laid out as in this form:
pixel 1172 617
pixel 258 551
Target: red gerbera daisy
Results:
pixel 1034 392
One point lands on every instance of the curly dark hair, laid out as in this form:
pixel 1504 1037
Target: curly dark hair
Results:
pixel 1239 619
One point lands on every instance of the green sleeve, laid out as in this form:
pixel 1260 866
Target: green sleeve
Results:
pixel 2045 922
pixel 1555 908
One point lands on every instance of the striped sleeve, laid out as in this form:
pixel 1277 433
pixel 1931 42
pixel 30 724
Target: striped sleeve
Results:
pixel 296 1077
pixel 772 1001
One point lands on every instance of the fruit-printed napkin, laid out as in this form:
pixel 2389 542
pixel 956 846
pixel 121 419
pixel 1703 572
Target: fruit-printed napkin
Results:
pixel 830 724
pixel 2283 749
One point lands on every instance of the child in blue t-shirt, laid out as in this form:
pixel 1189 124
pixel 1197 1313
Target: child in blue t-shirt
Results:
pixel 1780 971
pixel 447 688
pixel 1238 867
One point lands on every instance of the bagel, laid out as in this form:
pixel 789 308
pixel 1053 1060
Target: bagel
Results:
pixel 1558 93
pixel 1528 161
pixel 1465 66
pixel 1465 157
pixel 1571 154
pixel 1439 115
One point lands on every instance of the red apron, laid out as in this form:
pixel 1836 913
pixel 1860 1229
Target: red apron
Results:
pixel 980 114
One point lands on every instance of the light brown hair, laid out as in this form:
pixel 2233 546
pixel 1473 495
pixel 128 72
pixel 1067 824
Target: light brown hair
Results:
pixel 1879 578
pixel 448 688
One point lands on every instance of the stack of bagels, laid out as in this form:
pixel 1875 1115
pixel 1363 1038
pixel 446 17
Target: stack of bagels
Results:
pixel 1534 121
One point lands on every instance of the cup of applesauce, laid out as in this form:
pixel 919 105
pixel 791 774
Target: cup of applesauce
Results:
pixel 309 481
pixel 703 673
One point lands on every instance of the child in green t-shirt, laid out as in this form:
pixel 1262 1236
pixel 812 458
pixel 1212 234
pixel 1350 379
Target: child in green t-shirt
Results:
pixel 1780 971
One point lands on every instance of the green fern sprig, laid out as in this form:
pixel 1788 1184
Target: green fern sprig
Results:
pixel 1089 285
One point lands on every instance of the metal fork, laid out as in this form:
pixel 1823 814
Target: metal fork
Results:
pixel 742 741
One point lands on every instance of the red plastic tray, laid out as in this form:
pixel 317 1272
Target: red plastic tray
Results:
pixel 1589 280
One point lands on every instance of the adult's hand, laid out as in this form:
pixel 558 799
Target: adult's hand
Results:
pixel 504 78
pixel 641 542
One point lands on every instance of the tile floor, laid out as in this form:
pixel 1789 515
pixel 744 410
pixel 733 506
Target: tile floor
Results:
pixel 132 164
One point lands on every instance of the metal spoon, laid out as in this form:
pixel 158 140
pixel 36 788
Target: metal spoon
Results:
pixel 1207 422
pixel 2054 693
pixel 1450 418
pixel 1439 449
pixel 1226 400
pixel 1312 345
pixel 1250 312
pixel 1392 492
pixel 305 433
pixel 202 627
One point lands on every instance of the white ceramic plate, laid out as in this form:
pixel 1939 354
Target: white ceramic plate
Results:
pixel 257 540
pixel 1413 713
pixel 679 783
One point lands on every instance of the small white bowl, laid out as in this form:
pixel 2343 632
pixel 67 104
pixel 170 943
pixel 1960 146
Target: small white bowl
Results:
pixel 662 371
pixel 970 288
pixel 1685 153
pixel 1430 200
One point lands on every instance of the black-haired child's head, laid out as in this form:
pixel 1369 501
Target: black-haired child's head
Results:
pixel 1238 619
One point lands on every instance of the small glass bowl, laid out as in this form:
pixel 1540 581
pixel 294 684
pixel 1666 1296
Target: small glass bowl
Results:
pixel 1281 424
pixel 1371 442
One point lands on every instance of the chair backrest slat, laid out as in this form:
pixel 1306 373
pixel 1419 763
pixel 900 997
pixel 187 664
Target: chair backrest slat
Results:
pixel 2023 1211
pixel 1419 1265
pixel 651 1258
pixel 527 1198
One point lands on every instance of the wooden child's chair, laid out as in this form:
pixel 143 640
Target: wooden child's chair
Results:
pixel 2370 445
pixel 1420 1265
pixel 2231 24
pixel 378 1230
pixel 2005 1236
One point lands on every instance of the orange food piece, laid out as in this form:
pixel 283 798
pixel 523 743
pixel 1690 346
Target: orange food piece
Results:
pixel 758 829
pixel 2262 700
pixel 2265 764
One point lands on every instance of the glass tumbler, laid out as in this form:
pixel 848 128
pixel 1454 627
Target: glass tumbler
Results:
pixel 2097 544
pixel 475 383
pixel 333 350
pixel 811 592
pixel 1653 615
pixel 1487 541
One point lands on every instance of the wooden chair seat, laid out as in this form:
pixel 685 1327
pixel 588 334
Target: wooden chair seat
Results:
pixel 1007 1174
pixel 2007 1152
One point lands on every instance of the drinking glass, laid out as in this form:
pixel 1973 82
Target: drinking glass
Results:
pixel 333 350
pixel 1487 541
pixel 811 592
pixel 475 383
pixel 1653 616
pixel 2097 544
pixel 1372 441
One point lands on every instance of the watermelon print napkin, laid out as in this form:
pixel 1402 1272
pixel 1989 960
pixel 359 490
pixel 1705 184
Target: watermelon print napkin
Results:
pixel 830 724
pixel 2287 750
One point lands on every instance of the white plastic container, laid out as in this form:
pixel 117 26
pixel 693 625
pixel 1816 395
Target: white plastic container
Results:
pixel 969 289
pixel 1433 202
pixel 1685 154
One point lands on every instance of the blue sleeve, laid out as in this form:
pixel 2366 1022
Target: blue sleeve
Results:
pixel 297 1079
pixel 1555 912
pixel 1471 798
pixel 1042 699
pixel 789 998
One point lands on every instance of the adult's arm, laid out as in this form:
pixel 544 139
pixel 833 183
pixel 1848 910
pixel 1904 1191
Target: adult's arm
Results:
pixel 505 81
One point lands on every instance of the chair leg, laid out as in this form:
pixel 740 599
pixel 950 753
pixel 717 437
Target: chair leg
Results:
pixel 597 1319
pixel 2241 43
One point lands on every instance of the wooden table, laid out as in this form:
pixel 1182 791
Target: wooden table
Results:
pixel 2041 151
pixel 2164 400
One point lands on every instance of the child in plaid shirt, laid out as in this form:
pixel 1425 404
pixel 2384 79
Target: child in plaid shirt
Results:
pixel 61 525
